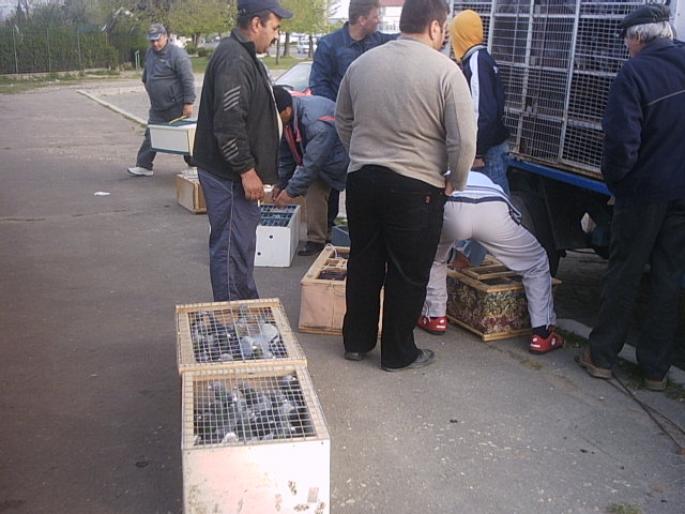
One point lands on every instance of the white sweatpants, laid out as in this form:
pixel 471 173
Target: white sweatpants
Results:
pixel 490 223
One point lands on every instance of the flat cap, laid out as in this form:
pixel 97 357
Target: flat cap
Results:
pixel 156 31
pixel 650 13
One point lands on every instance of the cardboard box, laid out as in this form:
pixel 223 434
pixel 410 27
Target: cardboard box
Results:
pixel 189 192
pixel 489 300
pixel 177 137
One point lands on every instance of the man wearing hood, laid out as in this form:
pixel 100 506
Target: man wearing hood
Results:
pixel 487 93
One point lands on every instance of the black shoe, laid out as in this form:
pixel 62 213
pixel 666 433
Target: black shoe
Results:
pixel 425 358
pixel 311 248
pixel 354 356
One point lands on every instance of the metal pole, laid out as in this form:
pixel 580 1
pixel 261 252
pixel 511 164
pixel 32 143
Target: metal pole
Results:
pixel 14 42
pixel 78 47
pixel 47 43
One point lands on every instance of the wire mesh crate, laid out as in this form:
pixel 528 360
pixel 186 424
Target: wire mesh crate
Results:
pixel 254 441
pixel 244 333
pixel 322 303
pixel 557 59
pixel 278 233
pixel 489 300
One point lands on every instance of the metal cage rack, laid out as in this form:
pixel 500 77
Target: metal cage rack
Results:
pixel 234 334
pixel 556 59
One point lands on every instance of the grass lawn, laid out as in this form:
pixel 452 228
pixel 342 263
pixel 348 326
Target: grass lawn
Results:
pixel 200 63
pixel 10 84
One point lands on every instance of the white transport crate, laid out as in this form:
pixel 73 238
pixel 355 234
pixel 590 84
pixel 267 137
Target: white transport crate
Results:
pixel 277 235
pixel 177 137
pixel 254 442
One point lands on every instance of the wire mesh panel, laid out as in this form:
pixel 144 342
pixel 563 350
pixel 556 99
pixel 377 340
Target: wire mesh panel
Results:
pixel 557 59
pixel 235 334
pixel 250 406
pixel 254 438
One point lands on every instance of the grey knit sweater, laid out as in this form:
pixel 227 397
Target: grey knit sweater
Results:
pixel 407 107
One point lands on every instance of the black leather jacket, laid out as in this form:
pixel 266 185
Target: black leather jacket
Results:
pixel 237 128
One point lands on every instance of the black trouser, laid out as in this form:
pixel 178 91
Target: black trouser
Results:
pixel 333 207
pixel 651 233
pixel 395 225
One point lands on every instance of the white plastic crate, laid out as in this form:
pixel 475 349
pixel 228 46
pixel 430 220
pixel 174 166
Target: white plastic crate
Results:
pixel 254 442
pixel 277 235
pixel 177 137
pixel 244 333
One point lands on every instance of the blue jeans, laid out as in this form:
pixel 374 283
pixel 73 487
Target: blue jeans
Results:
pixel 233 238
pixel 496 170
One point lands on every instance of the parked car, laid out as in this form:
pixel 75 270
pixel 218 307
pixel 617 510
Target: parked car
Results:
pixel 296 78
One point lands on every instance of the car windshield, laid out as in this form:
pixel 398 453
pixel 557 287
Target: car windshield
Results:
pixel 296 78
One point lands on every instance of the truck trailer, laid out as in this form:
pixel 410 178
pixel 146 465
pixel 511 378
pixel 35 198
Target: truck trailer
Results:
pixel 557 59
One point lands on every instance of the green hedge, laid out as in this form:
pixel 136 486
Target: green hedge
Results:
pixel 65 48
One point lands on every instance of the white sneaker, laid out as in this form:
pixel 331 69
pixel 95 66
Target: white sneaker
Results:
pixel 140 172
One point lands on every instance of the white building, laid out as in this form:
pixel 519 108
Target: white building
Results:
pixel 390 15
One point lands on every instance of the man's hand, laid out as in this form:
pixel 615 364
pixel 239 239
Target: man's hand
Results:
pixel 478 163
pixel 283 199
pixel 449 187
pixel 275 191
pixel 252 184
pixel 187 110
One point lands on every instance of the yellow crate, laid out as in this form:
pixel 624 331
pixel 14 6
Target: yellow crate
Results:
pixel 245 333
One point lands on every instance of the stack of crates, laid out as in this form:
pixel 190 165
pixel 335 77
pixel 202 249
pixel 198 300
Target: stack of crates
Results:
pixel 556 59
pixel 254 435
pixel 278 234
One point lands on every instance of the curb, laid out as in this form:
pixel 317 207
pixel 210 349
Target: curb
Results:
pixel 113 107
pixel 675 375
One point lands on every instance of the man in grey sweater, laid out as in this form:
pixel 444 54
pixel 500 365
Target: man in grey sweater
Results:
pixel 170 84
pixel 404 112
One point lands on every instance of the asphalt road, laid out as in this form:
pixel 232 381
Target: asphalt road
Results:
pixel 90 394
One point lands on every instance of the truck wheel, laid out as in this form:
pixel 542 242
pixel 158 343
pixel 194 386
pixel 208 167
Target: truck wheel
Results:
pixel 534 219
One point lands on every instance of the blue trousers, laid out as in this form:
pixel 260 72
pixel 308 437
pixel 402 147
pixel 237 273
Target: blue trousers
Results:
pixel 496 170
pixel 233 238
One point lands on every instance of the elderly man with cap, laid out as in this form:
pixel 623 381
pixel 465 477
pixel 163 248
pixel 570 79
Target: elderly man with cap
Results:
pixel 643 164
pixel 169 82
pixel 236 145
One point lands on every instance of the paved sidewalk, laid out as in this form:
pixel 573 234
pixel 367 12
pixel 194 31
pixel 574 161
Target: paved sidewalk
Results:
pixel 91 396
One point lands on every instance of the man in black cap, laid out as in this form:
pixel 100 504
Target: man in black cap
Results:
pixel 170 84
pixel 236 145
pixel 643 165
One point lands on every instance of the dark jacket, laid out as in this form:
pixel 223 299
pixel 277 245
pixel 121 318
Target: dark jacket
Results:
pixel 168 78
pixel 334 54
pixel 644 126
pixel 487 93
pixel 317 144
pixel 236 125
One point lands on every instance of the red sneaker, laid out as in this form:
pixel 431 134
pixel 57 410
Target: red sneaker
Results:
pixel 545 344
pixel 436 326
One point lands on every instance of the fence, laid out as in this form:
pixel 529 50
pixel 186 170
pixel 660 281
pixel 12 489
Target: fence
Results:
pixel 66 48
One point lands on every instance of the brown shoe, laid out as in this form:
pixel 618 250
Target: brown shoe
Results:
pixel 656 385
pixel 584 360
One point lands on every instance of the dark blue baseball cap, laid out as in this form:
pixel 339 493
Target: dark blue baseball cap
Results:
pixel 247 7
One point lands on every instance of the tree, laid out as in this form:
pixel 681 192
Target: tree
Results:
pixel 197 17
pixel 309 17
